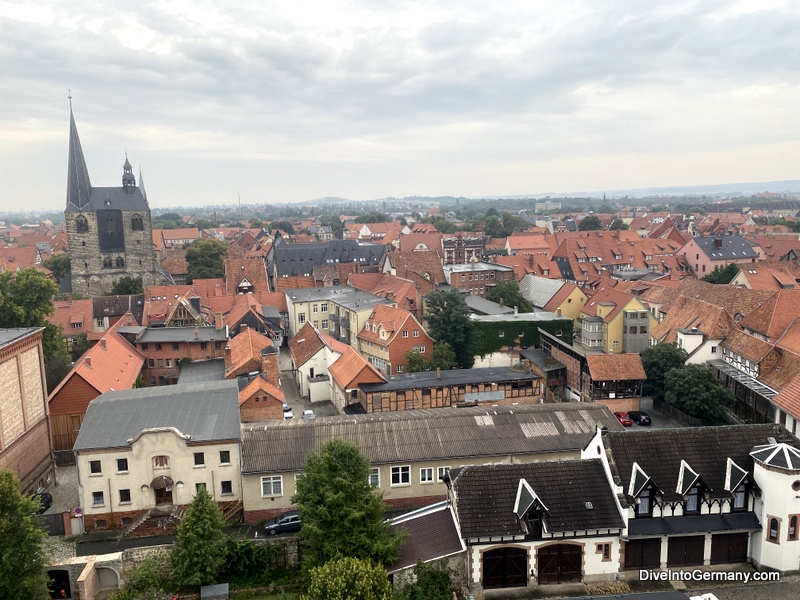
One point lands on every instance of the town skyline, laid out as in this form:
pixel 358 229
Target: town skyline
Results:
pixel 286 104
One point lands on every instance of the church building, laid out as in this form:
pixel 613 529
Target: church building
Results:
pixel 109 229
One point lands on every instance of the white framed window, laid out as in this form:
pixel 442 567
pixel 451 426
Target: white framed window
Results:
pixel 399 368
pixel 405 333
pixel 124 496
pixel 272 485
pixel 325 323
pixel 122 465
pixel 314 308
pixel 416 333
pixel 616 345
pixel 224 457
pixel 323 307
pixel 199 459
pixel 440 472
pixel 97 499
pixel 301 318
pixel 401 475
pixel 426 475
pixel 375 477
pixel 226 488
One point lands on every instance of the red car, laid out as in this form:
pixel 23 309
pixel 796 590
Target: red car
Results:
pixel 624 418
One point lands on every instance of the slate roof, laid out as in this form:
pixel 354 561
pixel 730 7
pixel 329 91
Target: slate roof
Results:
pixel 198 371
pixel 485 497
pixel 482 306
pixel 343 295
pixel 207 411
pixel 615 367
pixel 300 259
pixel 181 334
pixel 114 306
pixel 432 535
pixel 15 334
pixel 705 449
pixel 693 524
pixel 732 248
pixel 445 434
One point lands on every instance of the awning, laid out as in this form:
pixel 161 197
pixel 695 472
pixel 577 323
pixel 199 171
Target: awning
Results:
pixel 161 482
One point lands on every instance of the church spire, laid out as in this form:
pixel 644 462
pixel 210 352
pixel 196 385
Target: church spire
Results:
pixel 128 180
pixel 78 185
pixel 141 184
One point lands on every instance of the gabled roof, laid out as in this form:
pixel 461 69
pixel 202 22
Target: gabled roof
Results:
pixel 396 289
pixel 617 297
pixel 772 276
pixel 558 298
pixel 305 344
pixel 775 315
pixel 421 241
pixel 609 367
pixel 432 535
pixel 706 449
pixel 246 347
pixel 736 300
pixel 206 411
pixel 389 318
pixel 259 384
pixel 111 364
pixel 726 247
pixel 351 369
pixel 539 290
pixel 73 316
pixel 300 259
pixel 577 493
pixel 687 313
pixel 746 345
pixel 428 264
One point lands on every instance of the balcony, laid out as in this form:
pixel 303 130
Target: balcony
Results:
pixel 335 318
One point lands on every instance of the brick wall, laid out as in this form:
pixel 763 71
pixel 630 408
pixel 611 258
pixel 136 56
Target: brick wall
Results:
pixel 73 398
pixel 401 345
pixel 192 350
pixel 261 407
pixel 113 520
pixel 29 458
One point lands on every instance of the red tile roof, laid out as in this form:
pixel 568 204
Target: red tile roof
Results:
pixel 73 312
pixel 788 399
pixel 305 344
pixel 259 384
pixel 245 348
pixel 712 320
pixel 775 315
pixel 351 369
pixel 611 367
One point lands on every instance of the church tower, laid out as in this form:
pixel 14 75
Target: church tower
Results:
pixel 109 229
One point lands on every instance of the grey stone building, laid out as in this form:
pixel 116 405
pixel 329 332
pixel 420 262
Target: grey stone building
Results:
pixel 109 229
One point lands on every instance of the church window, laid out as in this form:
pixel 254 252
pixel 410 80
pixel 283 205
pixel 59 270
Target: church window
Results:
pixel 136 223
pixel 82 225
pixel 107 262
pixel 120 262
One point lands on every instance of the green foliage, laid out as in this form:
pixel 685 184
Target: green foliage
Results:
pixel 722 275
pixel 284 226
pixel 657 362
pixel 349 579
pixel 334 223
pixel 256 224
pixel 199 551
pixel 127 285
pixel 694 390
pixel 444 357
pixel 429 582
pixel 448 321
pixel 205 259
pixel 488 337
pixel 376 217
pixel 247 561
pixel 169 217
pixel 499 226
pixel 204 224
pixel 618 225
pixel 508 294
pixel 58 264
pixel 149 580
pixel 415 362
pixel 342 514
pixel 26 298
pixel 23 561
pixel 590 223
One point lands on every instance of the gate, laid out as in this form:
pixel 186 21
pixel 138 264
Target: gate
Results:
pixel 643 553
pixel 560 563
pixel 729 548
pixel 54 524
pixel 685 551
pixel 505 567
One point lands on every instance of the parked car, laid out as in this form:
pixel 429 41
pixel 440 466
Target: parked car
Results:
pixel 309 414
pixel 640 417
pixel 288 415
pixel 285 523
pixel 286 407
pixel 45 500
pixel 623 418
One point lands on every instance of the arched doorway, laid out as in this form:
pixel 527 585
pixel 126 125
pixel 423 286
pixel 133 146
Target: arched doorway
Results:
pixel 108 578
pixel 505 567
pixel 59 583
pixel 162 487
pixel 560 563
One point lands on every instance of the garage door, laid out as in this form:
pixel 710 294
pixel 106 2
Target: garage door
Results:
pixel 505 567
pixel 560 563
pixel 685 551
pixel 729 548
pixel 643 554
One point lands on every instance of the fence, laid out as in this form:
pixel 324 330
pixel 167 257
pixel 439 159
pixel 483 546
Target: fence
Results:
pixel 674 413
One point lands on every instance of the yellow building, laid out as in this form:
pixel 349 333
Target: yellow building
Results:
pixel 613 321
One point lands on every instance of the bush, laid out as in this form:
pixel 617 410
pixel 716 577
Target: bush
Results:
pixel 349 579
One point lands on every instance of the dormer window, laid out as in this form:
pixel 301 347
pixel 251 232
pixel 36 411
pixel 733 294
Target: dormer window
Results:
pixel 739 498
pixel 645 507
pixel 533 519
pixel 692 504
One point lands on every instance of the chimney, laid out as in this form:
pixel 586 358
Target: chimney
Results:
pixel 196 332
pixel 718 242
pixel 227 355
pixel 129 318
pixel 516 310
pixel 438 372
pixel 217 321
pixel 558 311
pixel 103 343
pixel 88 361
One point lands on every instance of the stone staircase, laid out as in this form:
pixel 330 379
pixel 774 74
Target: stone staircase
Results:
pixel 127 531
pixel 158 521
pixel 232 512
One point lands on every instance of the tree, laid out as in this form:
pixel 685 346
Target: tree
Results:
pixel 448 320
pixel 415 362
pixel 59 265
pixel 376 217
pixel 169 217
pixel 657 362
pixel 429 582
pixel 127 285
pixel 205 258
pixel 722 275
pixel 284 226
pixel 590 223
pixel 147 581
pixel 696 391
pixel 618 225
pixel 342 513
pixel 256 224
pixel 23 567
pixel 349 579
pixel 199 551
pixel 443 356
pixel 508 293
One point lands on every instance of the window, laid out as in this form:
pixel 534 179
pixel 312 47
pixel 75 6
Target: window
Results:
pixel 272 485
pixel 122 465
pixel 100 524
pixel 604 550
pixel 124 496
pixel 316 324
pixel 440 473
pixel 95 467
pixel 175 346
pixel 158 346
pixel 160 363
pixel 314 308
pixel 740 498
pixel 81 225
pixel 692 506
pixel 405 333
pixel 375 477
pixel 161 462
pixel 203 345
pixel 151 363
pixel 793 528
pixel 325 323
pixel 301 318
pixel 169 363
pixel 399 368
pixel 772 533
pixel 199 459
pixel 224 457
pixel 644 507
pixel 136 223
pixel 616 345
pixel 501 333
pixel 713 349
pixel 416 333
pixel 324 307
pixel 199 486
pixel 97 499
pixel 226 488
pixel 401 475
pixel 144 346
pixel 426 475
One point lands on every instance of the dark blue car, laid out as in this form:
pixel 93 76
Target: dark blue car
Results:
pixel 286 523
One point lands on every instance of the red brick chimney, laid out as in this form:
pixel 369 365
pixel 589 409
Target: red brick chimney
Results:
pixel 196 332
pixel 217 321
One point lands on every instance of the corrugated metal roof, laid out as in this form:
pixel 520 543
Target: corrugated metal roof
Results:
pixel 205 411
pixel 433 434
pixel 425 379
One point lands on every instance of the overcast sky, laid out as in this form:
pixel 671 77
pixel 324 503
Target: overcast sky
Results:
pixel 288 101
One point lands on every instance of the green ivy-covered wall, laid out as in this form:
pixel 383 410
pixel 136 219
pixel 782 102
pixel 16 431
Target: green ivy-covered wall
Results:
pixel 488 337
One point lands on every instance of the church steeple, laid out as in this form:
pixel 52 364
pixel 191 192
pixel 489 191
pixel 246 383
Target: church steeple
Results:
pixel 128 180
pixel 141 184
pixel 78 185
